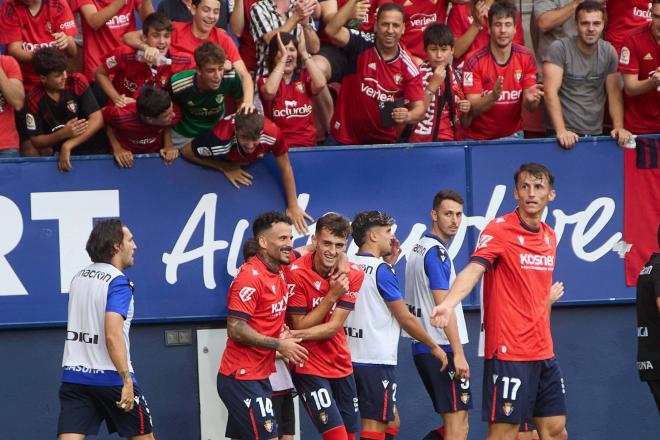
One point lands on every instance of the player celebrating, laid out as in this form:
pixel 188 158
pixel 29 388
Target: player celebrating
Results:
pixel 317 310
pixel 517 252
pixel 429 275
pixel 257 301
pixel 98 382
pixel 374 326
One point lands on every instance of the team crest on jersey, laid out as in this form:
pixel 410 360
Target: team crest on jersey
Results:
pixel 111 62
pixel 246 293
pixel 268 425
pixel 507 408
pixel 273 288
pixel 219 99
pixel 385 383
pixel 317 284
pixel 49 27
pixel 204 151
pixel 72 106
pixel 465 398
pixel 323 417
pixel 300 86
pixel 625 56
pixel 521 239
pixel 398 78
pixel 547 239
pixel 518 75
pixel 29 122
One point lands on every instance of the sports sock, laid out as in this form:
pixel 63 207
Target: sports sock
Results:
pixel 370 435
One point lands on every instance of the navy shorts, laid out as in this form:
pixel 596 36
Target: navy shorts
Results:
pixel 84 407
pixel 448 393
pixel 250 408
pixel 329 402
pixel 285 413
pixel 515 392
pixel 376 390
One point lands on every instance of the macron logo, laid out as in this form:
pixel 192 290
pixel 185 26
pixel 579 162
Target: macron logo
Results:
pixel 246 293
pixel 317 284
pixel 294 266
pixel 521 239
pixel 255 272
pixel 247 402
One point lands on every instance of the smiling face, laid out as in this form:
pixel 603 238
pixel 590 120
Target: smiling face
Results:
pixel 205 15
pixel 160 40
pixel 533 194
pixel 291 55
pixel 277 243
pixel 389 28
pixel 328 247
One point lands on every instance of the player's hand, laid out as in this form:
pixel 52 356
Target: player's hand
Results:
pixel 440 315
pixel 556 292
pixel 293 351
pixel 498 88
pixel 298 216
pixel 169 155
pixel 64 161
pixel 438 77
pixel 622 135
pixel 126 401
pixel 286 332
pixel 395 251
pixel 567 139
pixel 440 355
pixel 151 55
pixel 464 106
pixel 461 366
pixel 75 127
pixel 534 94
pixel 60 39
pixel 360 10
pixel 338 287
pixel 238 177
pixel 480 13
pixel 122 101
pixel 123 157
pixel 227 66
pixel 400 115
pixel 246 108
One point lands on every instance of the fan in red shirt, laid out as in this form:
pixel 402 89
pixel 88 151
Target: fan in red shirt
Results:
pixel 244 138
pixel 517 253
pixel 12 99
pixel 288 89
pixel 623 16
pixel 419 14
pixel 640 65
pixel 499 79
pixel 104 23
pixel 256 303
pixel 130 72
pixel 469 21
pixel 188 36
pixel 381 79
pixel 317 309
pixel 447 109
pixel 142 127
pixel 24 33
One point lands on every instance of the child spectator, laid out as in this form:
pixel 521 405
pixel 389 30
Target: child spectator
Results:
pixel 287 91
pixel 200 93
pixel 447 109
pixel 104 22
pixel 141 127
pixel 12 96
pixel 179 10
pixel 245 138
pixel 63 114
pixel 130 71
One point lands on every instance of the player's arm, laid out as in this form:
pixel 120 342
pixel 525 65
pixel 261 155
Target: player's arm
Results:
pixel 451 330
pixel 95 18
pixel 293 210
pixel 326 330
pixel 246 83
pixel 615 104
pixel 338 288
pixel 94 124
pixel 116 344
pixel 168 152
pixel 481 104
pixel 556 292
pixel 464 41
pixel 145 9
pixel 412 326
pixel 123 157
pixel 463 285
pixel 335 29
pixel 15 49
pixel 634 86
pixel 552 19
pixel 237 18
pixel 232 170
pixel 135 40
pixel 241 332
pixel 103 80
pixel 311 38
pixel 12 89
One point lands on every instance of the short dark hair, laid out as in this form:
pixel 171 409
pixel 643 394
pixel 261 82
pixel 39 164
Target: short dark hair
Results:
pixel 534 169
pixel 157 21
pixel 197 2
pixel 447 194
pixel 250 248
pixel 249 124
pixel 266 221
pixel 48 60
pixel 101 242
pixel 439 34
pixel 502 10
pixel 366 220
pixel 591 6
pixel 209 52
pixel 390 7
pixel 274 49
pixel 334 223
pixel 152 102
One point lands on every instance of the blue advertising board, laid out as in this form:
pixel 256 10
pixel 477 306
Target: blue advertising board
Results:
pixel 189 223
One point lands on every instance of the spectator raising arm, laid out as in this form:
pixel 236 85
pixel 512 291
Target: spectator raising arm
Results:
pixel 353 9
pixel 464 42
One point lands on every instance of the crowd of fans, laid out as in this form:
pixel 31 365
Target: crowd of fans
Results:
pixel 78 78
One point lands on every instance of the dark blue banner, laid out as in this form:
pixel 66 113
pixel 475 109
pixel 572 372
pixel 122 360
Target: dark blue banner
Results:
pixel 189 223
